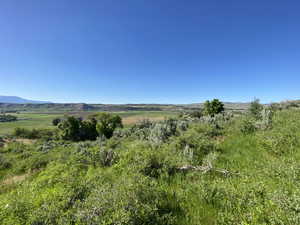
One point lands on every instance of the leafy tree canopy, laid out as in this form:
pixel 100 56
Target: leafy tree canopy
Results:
pixel 107 123
pixel 213 107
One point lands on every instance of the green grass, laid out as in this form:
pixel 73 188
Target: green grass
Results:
pixel 28 120
pixel 65 183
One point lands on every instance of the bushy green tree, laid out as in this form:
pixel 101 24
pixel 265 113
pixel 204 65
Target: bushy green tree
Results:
pixel 213 107
pixel 255 109
pixel 107 123
pixel 75 129
pixel 7 118
pixel 88 130
pixel 196 114
pixel 56 121
pixel 69 129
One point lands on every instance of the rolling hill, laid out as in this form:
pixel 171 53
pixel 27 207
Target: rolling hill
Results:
pixel 18 100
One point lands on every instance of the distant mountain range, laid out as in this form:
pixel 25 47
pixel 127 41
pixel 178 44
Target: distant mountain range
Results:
pixel 19 100
pixel 15 103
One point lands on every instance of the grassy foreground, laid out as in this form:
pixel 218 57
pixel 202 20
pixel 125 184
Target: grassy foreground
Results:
pixel 200 172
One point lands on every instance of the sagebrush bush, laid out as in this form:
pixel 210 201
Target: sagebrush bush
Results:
pixel 34 133
pixel 156 133
pixel 194 146
pixel 4 163
pixel 255 109
pixel 266 119
pixel 248 126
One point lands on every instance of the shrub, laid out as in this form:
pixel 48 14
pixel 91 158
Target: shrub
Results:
pixel 4 163
pixel 7 118
pixel 155 132
pixel 161 132
pixel 56 121
pixel 194 146
pixel 154 167
pixel 107 123
pixel 276 107
pixel 196 114
pixel 145 123
pixel 209 130
pixel 248 126
pixel 291 104
pixel 107 157
pixel 1 142
pixel 213 107
pixel 34 133
pixel 100 153
pixel 37 161
pixel 255 109
pixel 266 119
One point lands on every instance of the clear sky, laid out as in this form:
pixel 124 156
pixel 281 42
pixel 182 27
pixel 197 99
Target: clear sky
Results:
pixel 150 51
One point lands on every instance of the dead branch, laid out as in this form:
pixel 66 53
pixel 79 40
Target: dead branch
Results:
pixel 204 169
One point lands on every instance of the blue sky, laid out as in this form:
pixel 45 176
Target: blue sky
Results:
pixel 150 51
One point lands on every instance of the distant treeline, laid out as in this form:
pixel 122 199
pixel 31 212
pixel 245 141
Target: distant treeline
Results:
pixel 7 118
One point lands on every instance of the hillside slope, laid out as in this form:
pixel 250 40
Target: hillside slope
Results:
pixel 174 172
pixel 18 100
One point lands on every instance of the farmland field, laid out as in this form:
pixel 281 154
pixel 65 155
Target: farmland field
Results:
pixel 28 120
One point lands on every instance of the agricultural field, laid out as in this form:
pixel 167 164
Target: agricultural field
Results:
pixel 28 120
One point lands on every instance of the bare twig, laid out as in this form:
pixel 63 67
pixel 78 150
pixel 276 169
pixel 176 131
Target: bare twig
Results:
pixel 204 169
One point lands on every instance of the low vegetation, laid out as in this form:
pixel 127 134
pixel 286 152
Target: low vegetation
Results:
pixel 7 118
pixel 203 168
pixel 33 133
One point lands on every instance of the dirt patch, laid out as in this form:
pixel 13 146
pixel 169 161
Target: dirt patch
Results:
pixel 18 178
pixel 15 179
pixel 3 143
pixel 21 140
pixel 25 141
pixel 220 139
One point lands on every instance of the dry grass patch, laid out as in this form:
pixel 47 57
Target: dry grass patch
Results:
pixel 15 179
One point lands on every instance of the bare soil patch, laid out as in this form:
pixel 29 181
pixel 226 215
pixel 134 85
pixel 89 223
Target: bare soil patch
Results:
pixel 15 179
